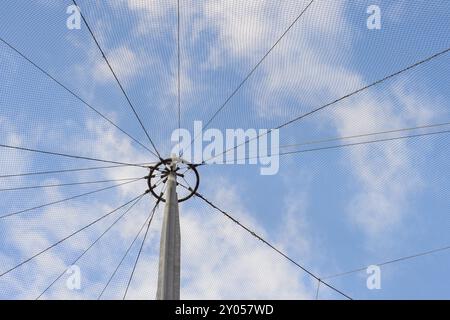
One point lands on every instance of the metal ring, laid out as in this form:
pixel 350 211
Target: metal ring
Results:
pixel 165 163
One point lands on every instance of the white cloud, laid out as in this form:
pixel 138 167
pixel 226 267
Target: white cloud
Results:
pixel 21 161
pixel 154 8
pixel 305 72
pixel 150 15
pixel 219 259
pixel 125 62
pixel 222 261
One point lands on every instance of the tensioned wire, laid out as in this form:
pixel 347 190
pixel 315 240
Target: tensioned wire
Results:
pixel 278 106
pixel 149 78
pixel 61 110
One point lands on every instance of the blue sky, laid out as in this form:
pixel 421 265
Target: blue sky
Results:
pixel 331 210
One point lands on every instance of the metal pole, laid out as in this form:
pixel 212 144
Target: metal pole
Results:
pixel 169 256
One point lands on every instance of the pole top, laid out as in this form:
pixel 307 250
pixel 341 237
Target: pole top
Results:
pixel 185 173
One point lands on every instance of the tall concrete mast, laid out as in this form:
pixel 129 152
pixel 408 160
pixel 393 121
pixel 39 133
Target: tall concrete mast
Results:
pixel 170 247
